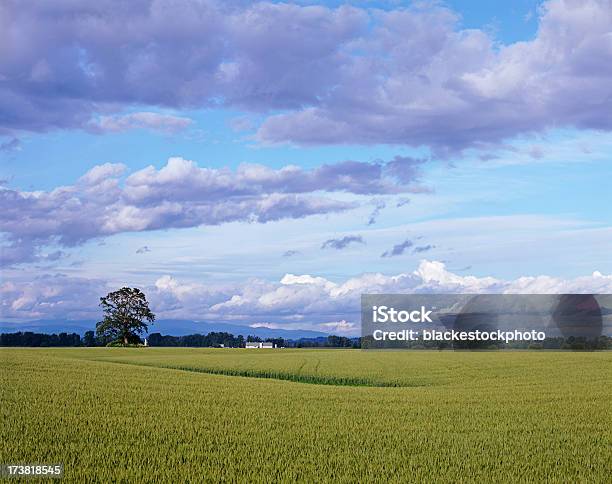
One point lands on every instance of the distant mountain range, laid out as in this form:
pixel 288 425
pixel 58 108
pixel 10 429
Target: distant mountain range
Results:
pixel 174 327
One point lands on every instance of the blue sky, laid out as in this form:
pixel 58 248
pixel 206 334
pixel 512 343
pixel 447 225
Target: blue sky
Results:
pixel 474 136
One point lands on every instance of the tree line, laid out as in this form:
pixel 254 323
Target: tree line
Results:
pixel 30 339
pixel 210 340
pixel 228 340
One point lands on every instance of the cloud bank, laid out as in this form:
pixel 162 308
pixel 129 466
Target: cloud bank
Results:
pixel 182 194
pixel 296 301
pixel 341 75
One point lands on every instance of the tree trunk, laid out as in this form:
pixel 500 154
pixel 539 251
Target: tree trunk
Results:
pixel 125 339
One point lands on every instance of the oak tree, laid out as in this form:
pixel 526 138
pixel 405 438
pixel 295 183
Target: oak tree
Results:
pixel 125 313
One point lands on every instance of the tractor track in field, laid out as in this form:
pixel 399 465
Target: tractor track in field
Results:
pixel 277 375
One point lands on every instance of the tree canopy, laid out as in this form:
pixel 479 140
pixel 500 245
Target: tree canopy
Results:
pixel 125 313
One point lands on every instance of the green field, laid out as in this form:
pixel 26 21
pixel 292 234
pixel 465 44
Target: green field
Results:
pixel 178 415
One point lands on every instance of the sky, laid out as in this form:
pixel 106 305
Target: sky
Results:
pixel 266 163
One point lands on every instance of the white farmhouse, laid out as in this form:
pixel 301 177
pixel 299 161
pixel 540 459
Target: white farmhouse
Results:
pixel 259 344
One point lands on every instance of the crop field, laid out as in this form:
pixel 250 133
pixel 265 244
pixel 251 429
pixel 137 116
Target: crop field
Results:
pixel 204 415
